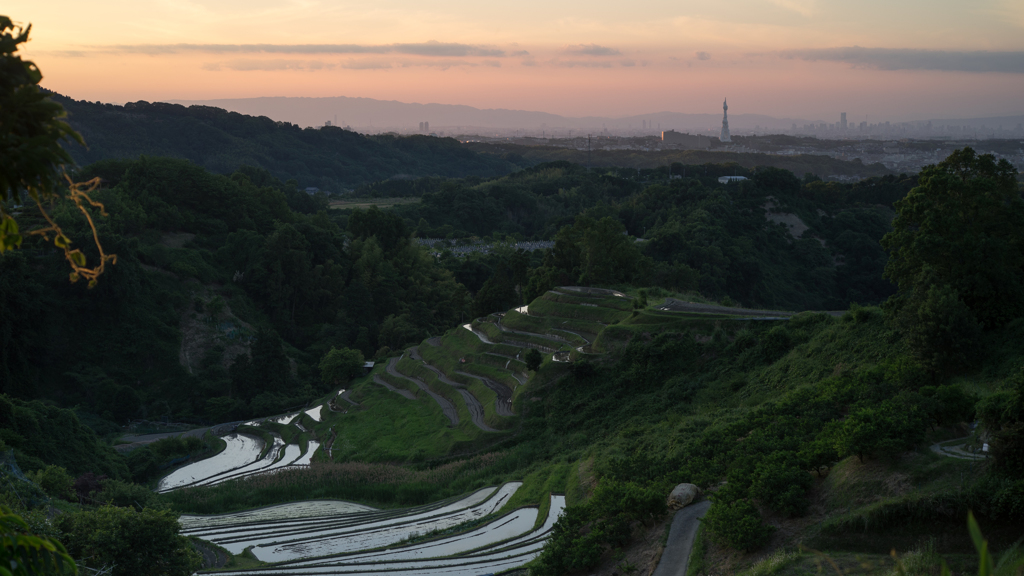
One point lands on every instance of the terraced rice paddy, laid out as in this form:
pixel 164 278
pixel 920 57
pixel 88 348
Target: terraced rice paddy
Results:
pixel 472 376
pixel 239 459
pixel 324 538
pixel 241 450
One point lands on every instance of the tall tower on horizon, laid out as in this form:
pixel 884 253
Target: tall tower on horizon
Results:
pixel 725 122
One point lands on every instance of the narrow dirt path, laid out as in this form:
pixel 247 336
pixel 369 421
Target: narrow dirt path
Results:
pixel 503 403
pixel 212 557
pixel 385 384
pixel 476 409
pixel 134 442
pixel 676 557
pixel 521 378
pixel 506 356
pixel 588 291
pixel 479 334
pixel 681 306
pixel 550 337
pixel 446 407
pixel 522 343
pixel 344 396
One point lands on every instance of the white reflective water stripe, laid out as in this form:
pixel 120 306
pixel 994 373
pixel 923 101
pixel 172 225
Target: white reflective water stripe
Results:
pixel 240 450
pixel 314 413
pixel 336 520
pixel 513 545
pixel 296 510
pixel 500 530
pixel 267 460
pixel 292 452
pixel 286 420
pixel 243 537
pixel 306 459
pixel 409 560
pixel 332 542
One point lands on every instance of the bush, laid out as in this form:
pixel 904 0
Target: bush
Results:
pixel 130 543
pixel 780 484
pixel 860 314
pixel 584 533
pixel 568 551
pixel 889 429
pixel 533 359
pixel 55 481
pixel 775 343
pixel 635 502
pixel 737 524
pixel 125 494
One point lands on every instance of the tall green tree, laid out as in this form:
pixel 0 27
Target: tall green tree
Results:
pixel 340 365
pixel 963 227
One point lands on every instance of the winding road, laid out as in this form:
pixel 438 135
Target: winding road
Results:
pixel 446 407
pixel 476 409
pixel 385 384
pixel 676 557
pixel 503 403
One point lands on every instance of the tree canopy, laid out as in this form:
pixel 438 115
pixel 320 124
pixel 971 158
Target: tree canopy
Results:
pixel 956 254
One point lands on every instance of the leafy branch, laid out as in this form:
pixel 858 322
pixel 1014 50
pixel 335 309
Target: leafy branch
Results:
pixel 31 156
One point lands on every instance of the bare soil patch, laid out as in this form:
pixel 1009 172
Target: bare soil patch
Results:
pixel 793 222
pixel 198 334
pixel 363 203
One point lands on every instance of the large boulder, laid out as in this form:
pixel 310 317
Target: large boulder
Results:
pixel 682 495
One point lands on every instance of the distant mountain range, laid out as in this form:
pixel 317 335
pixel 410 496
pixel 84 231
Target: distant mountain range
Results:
pixel 369 115
pixel 331 159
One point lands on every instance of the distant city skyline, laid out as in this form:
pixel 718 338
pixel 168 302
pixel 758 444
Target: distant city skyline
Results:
pixel 877 61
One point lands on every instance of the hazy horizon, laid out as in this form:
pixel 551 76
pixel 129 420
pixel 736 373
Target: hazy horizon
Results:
pixel 809 59
pixel 314 111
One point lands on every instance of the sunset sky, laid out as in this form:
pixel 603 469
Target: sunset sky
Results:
pixel 877 60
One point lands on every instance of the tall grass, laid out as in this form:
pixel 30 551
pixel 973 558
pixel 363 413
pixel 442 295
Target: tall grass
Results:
pixel 613 302
pixel 380 484
pixel 773 564
pixel 543 307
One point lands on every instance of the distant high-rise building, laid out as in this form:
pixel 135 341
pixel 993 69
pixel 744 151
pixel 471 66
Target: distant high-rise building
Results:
pixel 842 121
pixel 685 141
pixel 725 122
pixel 426 126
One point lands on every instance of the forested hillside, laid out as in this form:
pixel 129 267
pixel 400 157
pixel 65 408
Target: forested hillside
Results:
pixel 215 270
pixel 773 241
pixel 330 158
